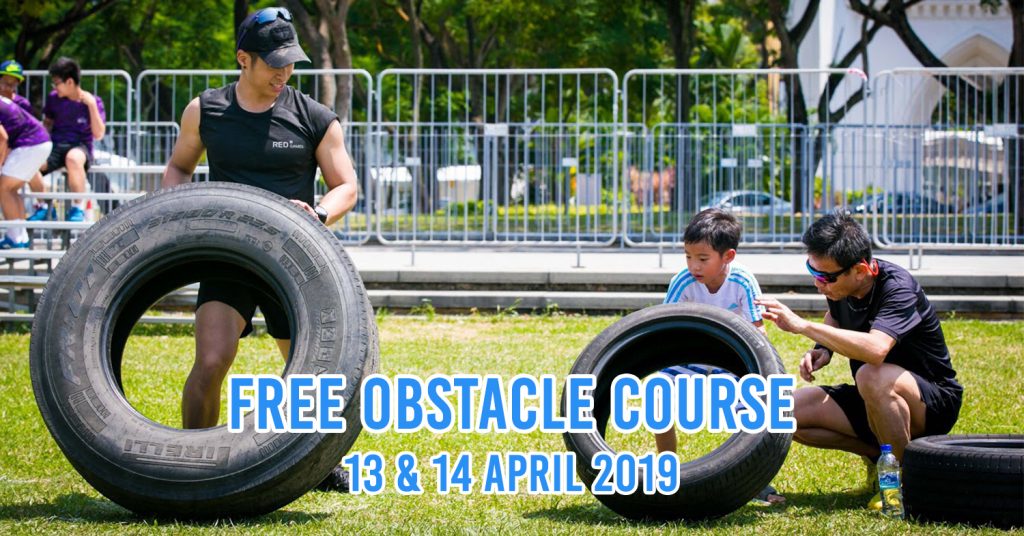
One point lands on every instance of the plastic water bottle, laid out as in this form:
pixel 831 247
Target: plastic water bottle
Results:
pixel 889 483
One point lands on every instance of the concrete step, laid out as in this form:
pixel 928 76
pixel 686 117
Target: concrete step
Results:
pixel 615 302
pixel 646 282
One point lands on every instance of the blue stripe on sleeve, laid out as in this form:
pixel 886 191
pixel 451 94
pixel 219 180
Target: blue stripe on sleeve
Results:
pixel 753 311
pixel 679 283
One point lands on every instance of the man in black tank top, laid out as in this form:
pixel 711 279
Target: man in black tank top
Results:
pixel 879 317
pixel 262 132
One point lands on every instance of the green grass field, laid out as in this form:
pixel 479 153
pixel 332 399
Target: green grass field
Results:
pixel 41 493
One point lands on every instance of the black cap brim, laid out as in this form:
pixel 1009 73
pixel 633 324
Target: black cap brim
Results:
pixel 284 56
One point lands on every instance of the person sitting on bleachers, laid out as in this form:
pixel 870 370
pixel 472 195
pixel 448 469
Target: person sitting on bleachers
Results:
pixel 74 118
pixel 24 146
pixel 11 75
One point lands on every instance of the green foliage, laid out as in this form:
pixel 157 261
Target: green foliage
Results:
pixel 551 310
pixel 138 34
pixel 507 312
pixel 425 309
pixel 725 45
pixel 469 208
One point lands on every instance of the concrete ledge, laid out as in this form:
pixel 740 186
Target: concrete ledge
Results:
pixel 457 300
pixel 651 279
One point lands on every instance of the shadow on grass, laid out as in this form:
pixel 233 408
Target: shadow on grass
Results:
pixel 82 508
pixel 798 505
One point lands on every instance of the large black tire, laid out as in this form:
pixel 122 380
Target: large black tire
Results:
pixel 127 261
pixel 973 479
pixel 649 340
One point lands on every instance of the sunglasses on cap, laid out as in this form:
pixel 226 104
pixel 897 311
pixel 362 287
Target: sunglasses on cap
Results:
pixel 263 16
pixel 829 277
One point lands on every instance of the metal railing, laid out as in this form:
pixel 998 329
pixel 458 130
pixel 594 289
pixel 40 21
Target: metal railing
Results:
pixel 503 156
pixel 951 164
pixel 757 142
pixel 925 158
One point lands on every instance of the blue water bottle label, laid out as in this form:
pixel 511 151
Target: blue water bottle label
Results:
pixel 888 481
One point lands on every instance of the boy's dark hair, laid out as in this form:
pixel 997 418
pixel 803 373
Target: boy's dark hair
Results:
pixel 715 227
pixel 839 237
pixel 66 69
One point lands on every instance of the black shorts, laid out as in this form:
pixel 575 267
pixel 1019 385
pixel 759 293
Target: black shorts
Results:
pixel 60 152
pixel 244 298
pixel 942 407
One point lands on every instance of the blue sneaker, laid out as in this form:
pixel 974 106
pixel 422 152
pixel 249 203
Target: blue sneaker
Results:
pixel 7 243
pixel 75 214
pixel 43 214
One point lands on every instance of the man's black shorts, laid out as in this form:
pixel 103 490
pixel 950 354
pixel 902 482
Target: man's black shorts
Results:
pixel 244 298
pixel 942 407
pixel 60 152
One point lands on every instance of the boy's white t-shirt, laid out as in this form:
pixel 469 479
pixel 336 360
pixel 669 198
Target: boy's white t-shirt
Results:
pixel 737 293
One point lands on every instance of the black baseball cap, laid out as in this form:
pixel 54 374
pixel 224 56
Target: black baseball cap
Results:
pixel 269 33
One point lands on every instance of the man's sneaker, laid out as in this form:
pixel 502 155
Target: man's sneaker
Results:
pixel 876 502
pixel 75 214
pixel 7 243
pixel 42 214
pixel 870 474
pixel 336 480
pixel 871 483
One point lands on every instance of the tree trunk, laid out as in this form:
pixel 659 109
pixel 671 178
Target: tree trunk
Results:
pixel 679 16
pixel 341 53
pixel 1014 86
pixel 315 33
pixel 796 105
pixel 894 15
pixel 37 44
pixel 426 194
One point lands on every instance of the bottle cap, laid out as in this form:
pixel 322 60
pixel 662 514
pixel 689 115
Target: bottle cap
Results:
pixel 887 448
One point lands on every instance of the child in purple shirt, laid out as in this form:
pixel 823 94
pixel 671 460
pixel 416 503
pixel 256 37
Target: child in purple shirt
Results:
pixel 24 146
pixel 74 118
pixel 12 75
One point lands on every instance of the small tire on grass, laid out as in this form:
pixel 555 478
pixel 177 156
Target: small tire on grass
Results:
pixel 651 339
pixel 972 479
pixel 122 265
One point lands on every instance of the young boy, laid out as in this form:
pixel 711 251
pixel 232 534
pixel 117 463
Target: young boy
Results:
pixel 75 118
pixel 711 277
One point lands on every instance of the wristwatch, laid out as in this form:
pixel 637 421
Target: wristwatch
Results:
pixel 321 213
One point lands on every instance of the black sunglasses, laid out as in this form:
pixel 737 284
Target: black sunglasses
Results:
pixel 828 277
pixel 264 16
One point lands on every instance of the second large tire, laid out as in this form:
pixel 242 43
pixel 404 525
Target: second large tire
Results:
pixel 126 262
pixel 649 340
pixel 973 479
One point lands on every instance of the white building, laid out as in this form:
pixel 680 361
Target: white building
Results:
pixel 962 34
pixel 959 32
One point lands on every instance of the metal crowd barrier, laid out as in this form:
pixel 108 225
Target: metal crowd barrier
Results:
pixel 951 162
pixel 741 140
pixel 500 156
pixel 924 158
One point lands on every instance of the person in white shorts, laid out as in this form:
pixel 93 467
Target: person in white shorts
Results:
pixel 24 147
